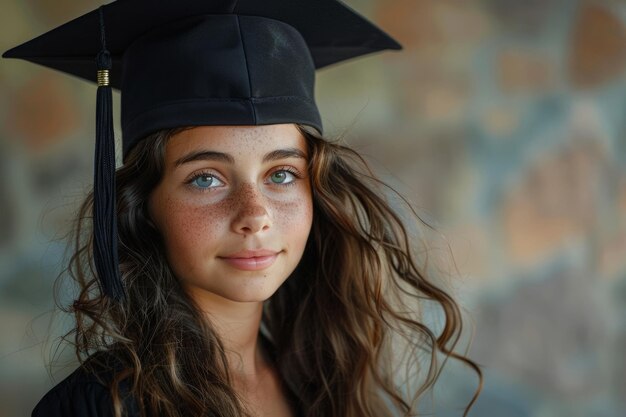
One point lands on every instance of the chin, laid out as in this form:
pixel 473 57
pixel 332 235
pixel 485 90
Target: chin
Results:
pixel 248 296
pixel 250 292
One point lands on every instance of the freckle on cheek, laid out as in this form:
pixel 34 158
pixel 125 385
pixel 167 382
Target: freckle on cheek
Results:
pixel 192 221
pixel 294 213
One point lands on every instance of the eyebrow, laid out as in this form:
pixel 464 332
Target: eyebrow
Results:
pixel 206 155
pixel 283 154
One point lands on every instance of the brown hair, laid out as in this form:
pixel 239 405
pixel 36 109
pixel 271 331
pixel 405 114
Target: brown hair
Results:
pixel 358 285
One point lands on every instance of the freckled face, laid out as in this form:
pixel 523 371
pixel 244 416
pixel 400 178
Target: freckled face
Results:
pixel 234 208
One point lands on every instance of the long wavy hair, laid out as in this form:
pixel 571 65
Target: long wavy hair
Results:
pixel 337 326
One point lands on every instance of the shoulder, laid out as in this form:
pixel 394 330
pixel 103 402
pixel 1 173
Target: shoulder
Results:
pixel 85 392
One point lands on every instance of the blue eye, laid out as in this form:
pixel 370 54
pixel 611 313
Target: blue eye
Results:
pixel 205 181
pixel 282 177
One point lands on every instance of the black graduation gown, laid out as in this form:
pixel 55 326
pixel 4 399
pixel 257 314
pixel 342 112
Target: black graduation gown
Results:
pixel 84 393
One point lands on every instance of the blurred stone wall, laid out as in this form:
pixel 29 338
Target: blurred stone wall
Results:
pixel 501 120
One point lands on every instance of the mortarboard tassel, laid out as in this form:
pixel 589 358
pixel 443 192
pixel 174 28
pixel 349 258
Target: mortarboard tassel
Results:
pixel 104 213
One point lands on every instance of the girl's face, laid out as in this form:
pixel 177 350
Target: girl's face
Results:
pixel 234 208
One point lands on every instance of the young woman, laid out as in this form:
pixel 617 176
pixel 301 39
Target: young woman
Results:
pixel 257 268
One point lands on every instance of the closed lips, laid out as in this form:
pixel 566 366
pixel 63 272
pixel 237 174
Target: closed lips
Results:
pixel 251 260
pixel 251 254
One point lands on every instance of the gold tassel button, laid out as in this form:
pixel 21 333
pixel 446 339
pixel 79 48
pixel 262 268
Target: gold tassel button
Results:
pixel 103 78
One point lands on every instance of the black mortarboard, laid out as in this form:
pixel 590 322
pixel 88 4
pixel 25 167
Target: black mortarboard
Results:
pixel 196 62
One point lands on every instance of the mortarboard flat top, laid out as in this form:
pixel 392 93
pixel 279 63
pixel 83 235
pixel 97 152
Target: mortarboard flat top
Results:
pixel 332 31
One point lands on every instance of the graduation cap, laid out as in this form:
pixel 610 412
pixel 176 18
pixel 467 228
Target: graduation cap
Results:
pixel 185 63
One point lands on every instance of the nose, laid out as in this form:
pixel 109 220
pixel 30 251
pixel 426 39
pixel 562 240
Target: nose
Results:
pixel 252 214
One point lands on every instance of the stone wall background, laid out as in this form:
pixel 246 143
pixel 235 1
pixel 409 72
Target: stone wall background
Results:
pixel 502 121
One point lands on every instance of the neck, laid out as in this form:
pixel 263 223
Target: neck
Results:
pixel 237 325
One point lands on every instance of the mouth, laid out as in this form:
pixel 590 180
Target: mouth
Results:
pixel 251 260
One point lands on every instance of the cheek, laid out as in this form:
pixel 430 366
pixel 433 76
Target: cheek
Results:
pixel 187 228
pixel 295 217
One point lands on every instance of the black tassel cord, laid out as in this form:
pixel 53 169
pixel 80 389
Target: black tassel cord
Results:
pixel 104 213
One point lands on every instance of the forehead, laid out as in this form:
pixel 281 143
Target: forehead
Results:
pixel 238 140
